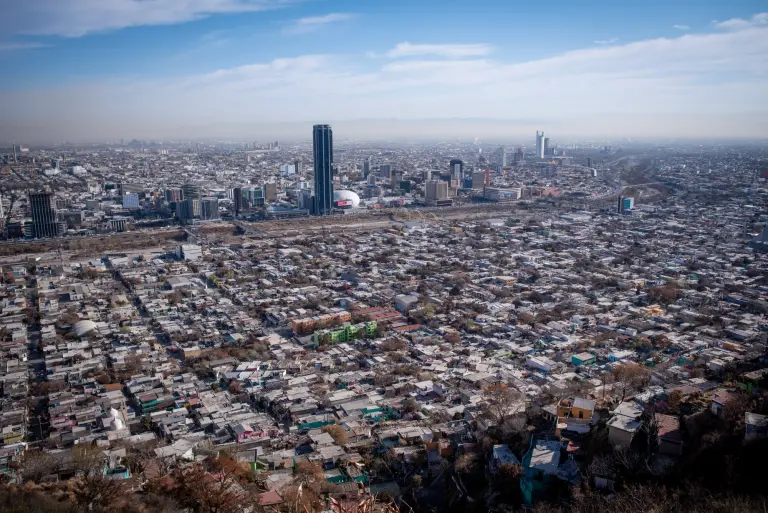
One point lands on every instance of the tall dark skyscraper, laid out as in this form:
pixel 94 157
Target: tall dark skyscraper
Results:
pixel 237 199
pixel 322 143
pixel 42 206
pixel 457 169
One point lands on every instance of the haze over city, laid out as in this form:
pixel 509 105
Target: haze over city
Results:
pixel 86 70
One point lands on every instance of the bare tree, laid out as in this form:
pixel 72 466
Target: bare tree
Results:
pixel 35 465
pixel 338 433
pixel 216 489
pixel 95 489
pixel 503 402
pixel 628 378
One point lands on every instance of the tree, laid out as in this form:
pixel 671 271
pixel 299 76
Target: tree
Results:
pixel 338 433
pixel 508 471
pixel 35 465
pixel 69 318
pixel 393 344
pixel 735 408
pixel 452 337
pixel 503 402
pixel 467 463
pixel 411 405
pixel 525 318
pixel 628 378
pixel 235 387
pixel 198 490
pixel 95 490
pixel 673 402
pixel 49 387
pixel 133 364
pixel 138 456
pixel 664 294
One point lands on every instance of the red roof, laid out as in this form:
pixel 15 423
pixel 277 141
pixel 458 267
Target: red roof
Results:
pixel 269 498
pixel 669 427
pixel 409 327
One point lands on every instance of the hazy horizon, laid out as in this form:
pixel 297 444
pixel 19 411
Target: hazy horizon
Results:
pixel 81 70
pixel 561 132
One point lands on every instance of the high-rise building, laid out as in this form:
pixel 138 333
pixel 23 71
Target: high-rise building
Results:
pixel 270 192
pixel 539 145
pixel 385 171
pixel 478 179
pixel 436 190
pixel 546 146
pixel 589 161
pixel 457 170
pixel 42 207
pixel 237 199
pixel 620 205
pixel 209 208
pixel 174 195
pixel 131 201
pixel 188 209
pixel 297 167
pixel 305 199
pixel 366 167
pixel 503 156
pixel 322 144
pixel 255 196
pixel 191 191
pixel 395 179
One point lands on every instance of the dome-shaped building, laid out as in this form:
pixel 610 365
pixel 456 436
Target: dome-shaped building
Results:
pixel 82 327
pixel 346 199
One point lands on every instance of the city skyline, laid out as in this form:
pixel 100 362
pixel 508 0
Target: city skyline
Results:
pixel 250 69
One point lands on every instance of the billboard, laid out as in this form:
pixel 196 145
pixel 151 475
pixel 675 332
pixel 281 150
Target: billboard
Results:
pixel 344 203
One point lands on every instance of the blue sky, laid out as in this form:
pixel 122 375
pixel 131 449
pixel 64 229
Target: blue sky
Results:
pixel 181 67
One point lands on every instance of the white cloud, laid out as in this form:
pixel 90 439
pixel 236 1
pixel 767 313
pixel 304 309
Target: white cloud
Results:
pixel 11 46
pixel 700 82
pixel 681 27
pixel 760 19
pixel 606 41
pixel 407 49
pixel 304 25
pixel 75 18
